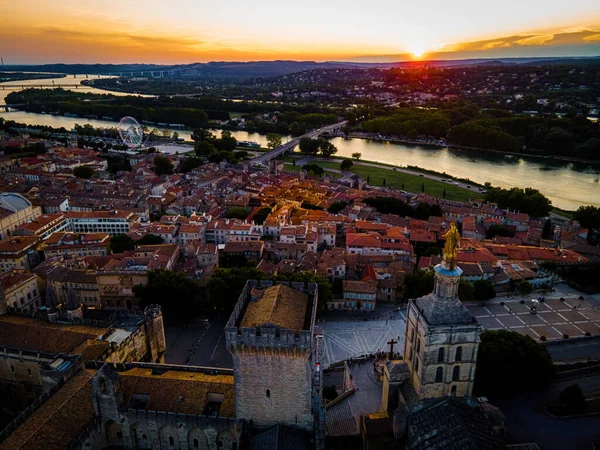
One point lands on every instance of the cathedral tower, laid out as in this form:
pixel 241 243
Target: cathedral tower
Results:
pixel 442 336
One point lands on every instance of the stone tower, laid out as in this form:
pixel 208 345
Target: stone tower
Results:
pixel 442 336
pixel 270 335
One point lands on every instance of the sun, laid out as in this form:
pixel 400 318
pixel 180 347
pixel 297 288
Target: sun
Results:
pixel 417 48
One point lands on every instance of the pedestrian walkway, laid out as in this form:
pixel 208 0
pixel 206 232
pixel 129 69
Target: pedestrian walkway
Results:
pixel 346 339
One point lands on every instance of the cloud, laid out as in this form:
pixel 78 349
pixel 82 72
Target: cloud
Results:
pixel 583 37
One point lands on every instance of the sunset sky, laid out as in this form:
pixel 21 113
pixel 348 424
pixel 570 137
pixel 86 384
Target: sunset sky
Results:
pixel 186 31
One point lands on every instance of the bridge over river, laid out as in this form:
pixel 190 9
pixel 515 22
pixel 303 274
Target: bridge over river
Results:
pixel 288 146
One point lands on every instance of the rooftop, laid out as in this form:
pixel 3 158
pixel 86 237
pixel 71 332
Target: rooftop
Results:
pixel 58 421
pixel 178 391
pixel 25 333
pixel 279 306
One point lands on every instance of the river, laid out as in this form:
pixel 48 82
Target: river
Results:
pixel 568 185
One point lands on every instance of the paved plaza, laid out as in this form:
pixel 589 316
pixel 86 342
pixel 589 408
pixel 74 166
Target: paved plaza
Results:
pixel 554 318
pixel 345 339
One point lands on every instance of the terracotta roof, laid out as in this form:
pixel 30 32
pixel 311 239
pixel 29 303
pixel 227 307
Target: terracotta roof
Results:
pixel 15 278
pixel 31 334
pixel 367 287
pixel 17 244
pixel 184 392
pixel 58 421
pixel 279 306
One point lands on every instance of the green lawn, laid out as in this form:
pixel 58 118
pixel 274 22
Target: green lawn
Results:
pixel 412 183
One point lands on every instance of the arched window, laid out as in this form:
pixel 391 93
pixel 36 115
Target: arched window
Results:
pixel 196 443
pixel 458 354
pixel 453 391
pixel 268 393
pixel 456 373
pixel 441 355
pixel 171 440
pixel 439 375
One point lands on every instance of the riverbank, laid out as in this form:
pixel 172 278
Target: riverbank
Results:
pixel 444 144
pixel 384 176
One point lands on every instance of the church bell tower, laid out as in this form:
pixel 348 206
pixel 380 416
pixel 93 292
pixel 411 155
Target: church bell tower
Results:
pixel 442 336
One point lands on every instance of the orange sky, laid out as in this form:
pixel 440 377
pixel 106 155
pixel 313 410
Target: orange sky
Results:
pixel 185 31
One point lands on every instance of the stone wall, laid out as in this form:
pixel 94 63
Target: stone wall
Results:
pixel 273 367
pixel 119 426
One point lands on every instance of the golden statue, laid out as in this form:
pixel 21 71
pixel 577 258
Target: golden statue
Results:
pixel 451 247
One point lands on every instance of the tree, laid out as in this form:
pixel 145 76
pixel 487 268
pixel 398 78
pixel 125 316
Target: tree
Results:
pixel 273 140
pixel 524 287
pixel 506 360
pixel 238 212
pixel 588 217
pixel 529 201
pixel 84 172
pixel 175 136
pixel 465 291
pixel 384 182
pixel 357 155
pixel 412 134
pixel 432 250
pixel 497 229
pixel 150 239
pixel 572 398
pixel 261 215
pixel 314 168
pixel 444 193
pixel 418 284
pixel 423 187
pixel 368 179
pixel 327 148
pixel 120 243
pixel 346 164
pixel 190 163
pixel 178 295
pixel 162 165
pixel 336 207
pixel 199 135
pixel 483 290
pixel 309 146
pixel 226 141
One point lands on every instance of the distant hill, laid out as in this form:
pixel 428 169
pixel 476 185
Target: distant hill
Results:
pixel 264 69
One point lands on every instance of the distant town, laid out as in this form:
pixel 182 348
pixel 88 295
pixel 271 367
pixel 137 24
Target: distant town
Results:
pixel 166 285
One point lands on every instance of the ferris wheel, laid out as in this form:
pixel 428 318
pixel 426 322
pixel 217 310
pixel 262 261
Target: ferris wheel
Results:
pixel 131 132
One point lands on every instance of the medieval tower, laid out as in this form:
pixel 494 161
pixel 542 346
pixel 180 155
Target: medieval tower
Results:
pixel 270 335
pixel 442 336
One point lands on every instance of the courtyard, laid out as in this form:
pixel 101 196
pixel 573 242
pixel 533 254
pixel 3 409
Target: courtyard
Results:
pixel 554 318
pixel 353 336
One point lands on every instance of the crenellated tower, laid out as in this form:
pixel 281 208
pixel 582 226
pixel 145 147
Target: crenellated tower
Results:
pixel 271 337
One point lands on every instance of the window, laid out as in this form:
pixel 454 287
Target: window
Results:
pixel 441 355
pixel 171 440
pixel 456 373
pixel 196 443
pixel 268 393
pixel 453 391
pixel 418 345
pixel 458 354
pixel 439 375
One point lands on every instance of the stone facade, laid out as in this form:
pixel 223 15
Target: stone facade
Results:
pixel 120 423
pixel 273 367
pixel 442 339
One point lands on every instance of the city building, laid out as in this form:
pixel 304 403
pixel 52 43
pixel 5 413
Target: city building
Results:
pixel 15 210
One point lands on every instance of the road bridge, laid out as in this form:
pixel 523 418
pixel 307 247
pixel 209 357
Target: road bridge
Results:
pixel 289 146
